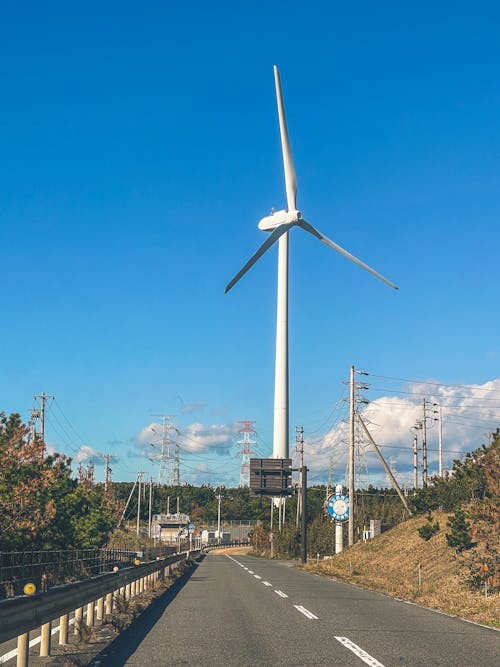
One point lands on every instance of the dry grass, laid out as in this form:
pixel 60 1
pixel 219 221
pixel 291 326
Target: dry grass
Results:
pixel 389 563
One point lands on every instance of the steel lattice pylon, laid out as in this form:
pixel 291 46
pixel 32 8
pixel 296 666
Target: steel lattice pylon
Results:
pixel 246 429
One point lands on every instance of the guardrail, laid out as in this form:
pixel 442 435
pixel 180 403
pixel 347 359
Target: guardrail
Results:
pixel 49 568
pixel 22 614
pixel 225 545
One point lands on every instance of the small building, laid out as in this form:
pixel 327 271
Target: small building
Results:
pixel 375 529
pixel 169 527
pixel 212 537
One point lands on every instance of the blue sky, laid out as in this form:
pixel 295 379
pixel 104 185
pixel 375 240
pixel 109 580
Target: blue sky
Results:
pixel 140 147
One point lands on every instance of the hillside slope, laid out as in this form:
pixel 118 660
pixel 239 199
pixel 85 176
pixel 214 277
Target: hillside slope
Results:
pixel 390 564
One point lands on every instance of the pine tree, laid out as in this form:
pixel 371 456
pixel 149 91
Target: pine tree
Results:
pixel 459 538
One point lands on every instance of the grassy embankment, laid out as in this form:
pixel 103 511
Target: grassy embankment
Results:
pixel 390 563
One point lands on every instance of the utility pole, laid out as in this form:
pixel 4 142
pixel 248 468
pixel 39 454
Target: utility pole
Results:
pixel 440 440
pixel 299 437
pixel 139 479
pixel 107 473
pixel 415 461
pixel 40 414
pixel 127 503
pixel 303 474
pixel 150 504
pixel 351 459
pixel 424 446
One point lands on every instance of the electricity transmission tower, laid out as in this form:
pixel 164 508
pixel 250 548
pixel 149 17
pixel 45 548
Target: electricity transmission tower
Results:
pixel 168 455
pixel 247 429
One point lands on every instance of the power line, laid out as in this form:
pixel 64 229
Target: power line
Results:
pixel 435 384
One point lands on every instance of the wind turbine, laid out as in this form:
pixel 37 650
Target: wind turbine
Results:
pixel 279 223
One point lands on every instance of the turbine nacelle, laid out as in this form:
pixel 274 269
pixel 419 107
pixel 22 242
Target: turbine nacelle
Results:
pixel 278 218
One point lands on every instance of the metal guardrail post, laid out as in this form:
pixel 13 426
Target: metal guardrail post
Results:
pixel 45 639
pixel 78 620
pixel 23 648
pixel 100 609
pixel 63 629
pixel 90 614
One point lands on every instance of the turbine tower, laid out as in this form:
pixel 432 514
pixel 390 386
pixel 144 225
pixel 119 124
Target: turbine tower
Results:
pixel 278 224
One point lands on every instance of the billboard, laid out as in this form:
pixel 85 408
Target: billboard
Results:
pixel 271 477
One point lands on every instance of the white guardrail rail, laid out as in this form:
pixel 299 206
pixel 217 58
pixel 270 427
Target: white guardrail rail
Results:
pixel 20 615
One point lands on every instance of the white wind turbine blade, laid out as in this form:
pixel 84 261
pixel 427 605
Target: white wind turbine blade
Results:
pixel 290 176
pixel 272 238
pixel 309 228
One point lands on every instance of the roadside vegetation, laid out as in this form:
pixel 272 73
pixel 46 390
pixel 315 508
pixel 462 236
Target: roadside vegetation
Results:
pixel 41 505
pixel 454 533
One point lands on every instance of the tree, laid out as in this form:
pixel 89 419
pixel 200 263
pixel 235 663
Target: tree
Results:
pixel 41 505
pixel 459 538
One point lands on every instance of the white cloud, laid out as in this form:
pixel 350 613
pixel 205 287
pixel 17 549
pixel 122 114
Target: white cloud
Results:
pixel 193 438
pixel 198 437
pixel 86 453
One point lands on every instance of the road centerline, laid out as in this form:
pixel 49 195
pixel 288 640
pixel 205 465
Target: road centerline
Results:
pixel 308 614
pixel 357 650
pixel 281 594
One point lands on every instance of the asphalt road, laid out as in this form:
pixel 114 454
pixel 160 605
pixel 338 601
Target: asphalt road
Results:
pixel 245 611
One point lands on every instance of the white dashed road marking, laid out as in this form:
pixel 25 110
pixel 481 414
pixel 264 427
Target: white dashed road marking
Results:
pixel 365 657
pixel 306 612
pixel 266 583
pixel 257 576
pixel 281 594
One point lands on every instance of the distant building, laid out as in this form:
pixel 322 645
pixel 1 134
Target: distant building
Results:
pixel 169 527
pixel 212 537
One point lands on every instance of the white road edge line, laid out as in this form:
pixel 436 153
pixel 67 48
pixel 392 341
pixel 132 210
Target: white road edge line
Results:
pixel 365 657
pixel 33 642
pixel 281 594
pixel 306 612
